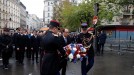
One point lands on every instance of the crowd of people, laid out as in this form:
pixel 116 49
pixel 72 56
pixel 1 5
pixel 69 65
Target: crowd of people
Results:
pixel 20 43
pixel 48 46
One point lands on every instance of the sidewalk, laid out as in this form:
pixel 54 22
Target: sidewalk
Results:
pixel 109 64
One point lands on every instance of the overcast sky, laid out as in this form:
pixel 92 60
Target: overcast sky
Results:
pixel 34 7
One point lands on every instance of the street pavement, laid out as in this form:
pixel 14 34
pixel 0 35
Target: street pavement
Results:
pixel 111 63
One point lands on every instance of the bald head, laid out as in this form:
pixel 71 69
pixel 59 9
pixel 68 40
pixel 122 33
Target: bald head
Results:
pixel 65 32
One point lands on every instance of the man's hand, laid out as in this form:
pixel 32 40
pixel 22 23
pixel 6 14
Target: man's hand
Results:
pixel 18 49
pixel 7 46
pixel 32 48
pixel 25 48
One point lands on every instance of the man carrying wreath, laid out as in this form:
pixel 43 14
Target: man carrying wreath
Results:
pixel 86 39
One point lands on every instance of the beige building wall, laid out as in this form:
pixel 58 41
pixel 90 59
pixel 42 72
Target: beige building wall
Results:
pixel 9 14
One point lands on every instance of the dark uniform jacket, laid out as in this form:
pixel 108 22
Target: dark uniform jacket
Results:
pixel 81 38
pixel 15 39
pixel 102 38
pixel 50 63
pixel 6 43
pixel 21 42
pixel 26 40
pixel 35 42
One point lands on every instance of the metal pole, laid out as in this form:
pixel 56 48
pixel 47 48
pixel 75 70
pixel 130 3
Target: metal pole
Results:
pixel 96 14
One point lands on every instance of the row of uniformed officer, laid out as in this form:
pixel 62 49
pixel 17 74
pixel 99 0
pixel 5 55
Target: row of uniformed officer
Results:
pixel 25 42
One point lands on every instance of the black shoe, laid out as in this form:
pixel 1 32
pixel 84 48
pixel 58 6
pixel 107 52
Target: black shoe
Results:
pixel 32 62
pixel 21 63
pixel 5 67
pixel 37 61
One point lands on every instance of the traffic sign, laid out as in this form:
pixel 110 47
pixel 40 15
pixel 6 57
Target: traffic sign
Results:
pixel 95 20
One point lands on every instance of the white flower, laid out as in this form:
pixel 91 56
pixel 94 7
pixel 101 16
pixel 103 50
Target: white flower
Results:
pixel 78 56
pixel 84 50
pixel 70 56
pixel 74 49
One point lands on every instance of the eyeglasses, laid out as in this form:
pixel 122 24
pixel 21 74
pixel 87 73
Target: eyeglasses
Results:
pixel 84 27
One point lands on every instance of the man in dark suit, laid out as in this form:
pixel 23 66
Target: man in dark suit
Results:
pixel 28 51
pixel 35 43
pixel 102 40
pixel 21 47
pixel 15 41
pixel 65 40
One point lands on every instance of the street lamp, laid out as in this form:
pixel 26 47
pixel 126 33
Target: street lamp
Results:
pixel 96 8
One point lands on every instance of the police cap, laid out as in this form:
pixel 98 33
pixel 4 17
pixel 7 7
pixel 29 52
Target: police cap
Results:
pixel 54 23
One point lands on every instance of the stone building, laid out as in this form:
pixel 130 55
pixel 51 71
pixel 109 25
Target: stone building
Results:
pixel 23 15
pixel 9 14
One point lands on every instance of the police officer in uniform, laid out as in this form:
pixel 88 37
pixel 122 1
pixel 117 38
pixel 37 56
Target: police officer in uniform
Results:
pixel 6 43
pixel 87 40
pixel 51 46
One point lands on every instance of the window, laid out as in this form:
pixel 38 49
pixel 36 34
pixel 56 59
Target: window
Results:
pixel 48 14
pixel 48 20
pixel 48 3
pixel 6 17
pixel 3 16
pixel 48 9
pixel 0 7
pixel 0 15
pixel 0 24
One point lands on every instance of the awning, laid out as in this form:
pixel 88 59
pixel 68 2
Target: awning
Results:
pixel 116 27
pixel 44 28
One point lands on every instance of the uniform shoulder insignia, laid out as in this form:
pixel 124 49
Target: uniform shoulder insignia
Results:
pixel 55 35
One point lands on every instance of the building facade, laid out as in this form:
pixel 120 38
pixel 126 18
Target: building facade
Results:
pixel 9 14
pixel 42 23
pixel 23 16
pixel 50 11
pixel 33 22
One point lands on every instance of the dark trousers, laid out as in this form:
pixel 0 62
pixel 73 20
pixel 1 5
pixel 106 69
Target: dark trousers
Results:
pixel 28 52
pixel 86 67
pixel 35 52
pixel 16 54
pixel 101 48
pixel 64 65
pixel 0 52
pixel 5 58
pixel 98 49
pixel 21 56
